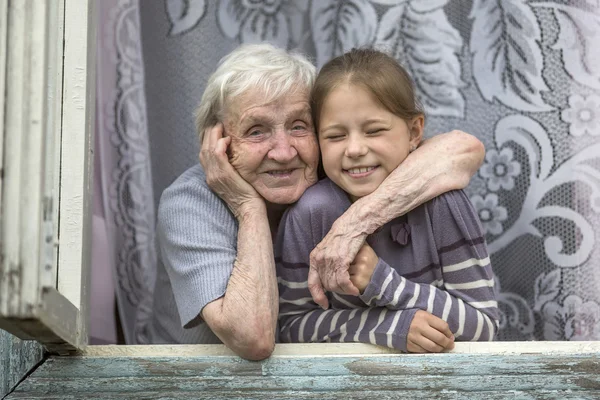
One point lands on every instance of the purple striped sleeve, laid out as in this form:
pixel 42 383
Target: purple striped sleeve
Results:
pixel 388 289
pixel 301 320
pixel 466 297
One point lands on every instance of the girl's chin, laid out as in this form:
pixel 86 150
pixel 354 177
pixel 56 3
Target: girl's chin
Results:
pixel 357 194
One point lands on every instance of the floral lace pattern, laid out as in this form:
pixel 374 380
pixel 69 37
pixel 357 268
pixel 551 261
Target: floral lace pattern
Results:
pixel 522 76
pixel 490 213
pixel 500 169
pixel 583 115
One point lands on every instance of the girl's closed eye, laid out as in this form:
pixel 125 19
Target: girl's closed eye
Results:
pixel 334 136
pixel 375 131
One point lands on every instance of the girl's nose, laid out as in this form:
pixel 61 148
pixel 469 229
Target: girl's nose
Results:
pixel 356 146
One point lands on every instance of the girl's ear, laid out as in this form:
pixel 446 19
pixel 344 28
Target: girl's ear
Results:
pixel 416 127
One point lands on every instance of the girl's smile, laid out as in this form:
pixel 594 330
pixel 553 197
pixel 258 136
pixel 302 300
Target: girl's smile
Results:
pixel 360 172
pixel 361 141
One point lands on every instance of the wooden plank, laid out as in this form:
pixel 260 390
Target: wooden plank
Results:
pixel 61 317
pixel 77 156
pixel 298 372
pixel 208 366
pixel 17 358
pixel 50 189
pixel 339 349
pixel 30 306
pixel 322 383
pixel 354 395
pixel 21 201
pixel 3 51
pixel 76 150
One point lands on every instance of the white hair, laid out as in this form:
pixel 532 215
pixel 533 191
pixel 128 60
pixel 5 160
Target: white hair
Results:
pixel 263 67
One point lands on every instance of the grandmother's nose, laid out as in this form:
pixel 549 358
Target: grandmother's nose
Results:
pixel 282 148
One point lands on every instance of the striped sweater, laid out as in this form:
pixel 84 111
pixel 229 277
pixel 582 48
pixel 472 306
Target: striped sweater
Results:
pixel 434 258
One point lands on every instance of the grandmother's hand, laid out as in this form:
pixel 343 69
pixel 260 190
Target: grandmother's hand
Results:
pixel 221 177
pixel 330 260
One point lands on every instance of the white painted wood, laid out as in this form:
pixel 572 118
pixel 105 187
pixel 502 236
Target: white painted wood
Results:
pixel 343 349
pixel 30 305
pixel 50 190
pixel 3 50
pixel 24 129
pixel 76 155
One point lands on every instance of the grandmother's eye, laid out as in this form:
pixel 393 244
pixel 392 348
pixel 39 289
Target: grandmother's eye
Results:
pixel 254 132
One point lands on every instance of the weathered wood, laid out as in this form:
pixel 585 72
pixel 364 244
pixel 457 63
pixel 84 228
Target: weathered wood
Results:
pixel 76 183
pixel 17 358
pixel 51 170
pixel 337 349
pixel 24 127
pixel 3 51
pixel 77 367
pixel 349 395
pixel 389 379
pixel 30 306
pixel 537 374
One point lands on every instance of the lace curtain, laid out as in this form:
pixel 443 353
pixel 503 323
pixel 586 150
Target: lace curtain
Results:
pixel 523 76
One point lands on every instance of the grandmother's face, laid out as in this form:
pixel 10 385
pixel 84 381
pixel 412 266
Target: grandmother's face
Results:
pixel 273 146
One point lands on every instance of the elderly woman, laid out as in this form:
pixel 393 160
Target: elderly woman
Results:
pixel 216 222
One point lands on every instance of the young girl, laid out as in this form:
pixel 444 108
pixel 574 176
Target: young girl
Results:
pixel 424 267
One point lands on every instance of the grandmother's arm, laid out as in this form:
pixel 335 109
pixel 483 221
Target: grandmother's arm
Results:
pixel 442 163
pixel 245 318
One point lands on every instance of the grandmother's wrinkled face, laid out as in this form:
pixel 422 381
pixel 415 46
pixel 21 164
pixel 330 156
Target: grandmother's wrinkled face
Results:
pixel 273 146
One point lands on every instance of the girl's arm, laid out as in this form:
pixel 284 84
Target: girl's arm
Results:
pixel 442 163
pixel 301 320
pixel 466 298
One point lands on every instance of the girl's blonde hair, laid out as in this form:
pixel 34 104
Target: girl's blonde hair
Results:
pixel 374 70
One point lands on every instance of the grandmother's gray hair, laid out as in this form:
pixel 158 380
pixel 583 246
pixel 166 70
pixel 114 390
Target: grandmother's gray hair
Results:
pixel 261 67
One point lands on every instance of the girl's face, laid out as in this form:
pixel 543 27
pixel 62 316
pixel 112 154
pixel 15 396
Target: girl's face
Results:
pixel 361 141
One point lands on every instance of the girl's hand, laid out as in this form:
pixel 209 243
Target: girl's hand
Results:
pixel 363 266
pixel 428 334
pixel 222 178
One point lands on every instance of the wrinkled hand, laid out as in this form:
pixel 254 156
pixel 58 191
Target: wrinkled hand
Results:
pixel 329 263
pixel 428 334
pixel 362 268
pixel 221 177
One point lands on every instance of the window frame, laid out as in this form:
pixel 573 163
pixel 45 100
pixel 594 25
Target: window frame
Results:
pixel 46 185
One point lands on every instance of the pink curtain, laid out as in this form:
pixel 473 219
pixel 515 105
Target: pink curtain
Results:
pixel 123 241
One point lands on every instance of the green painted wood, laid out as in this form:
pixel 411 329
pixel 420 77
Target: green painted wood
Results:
pixel 320 384
pixel 347 395
pixel 435 364
pixel 17 357
pixel 440 376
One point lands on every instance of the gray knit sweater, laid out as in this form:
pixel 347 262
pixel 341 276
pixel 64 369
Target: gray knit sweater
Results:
pixel 197 243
